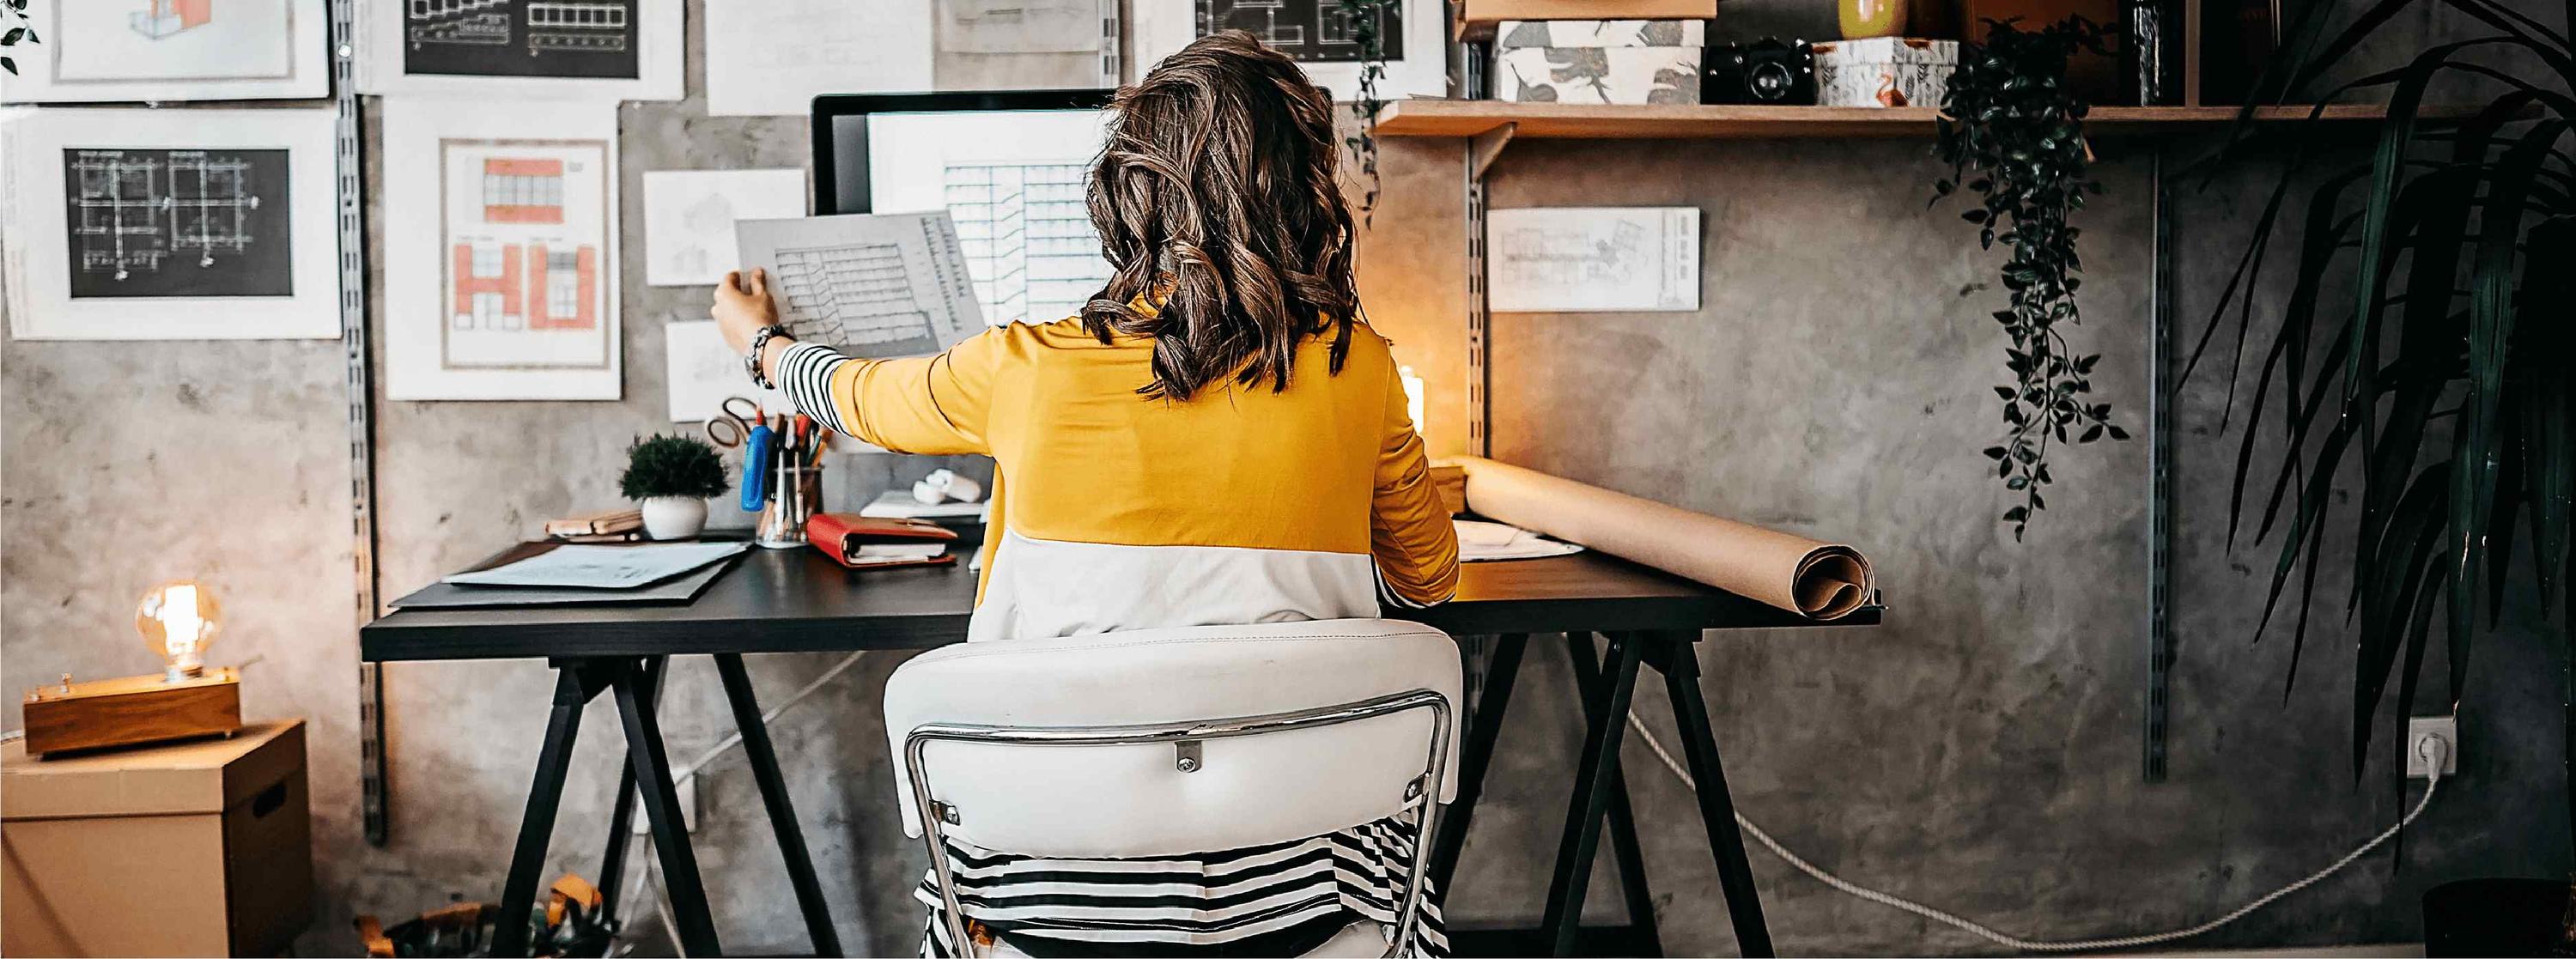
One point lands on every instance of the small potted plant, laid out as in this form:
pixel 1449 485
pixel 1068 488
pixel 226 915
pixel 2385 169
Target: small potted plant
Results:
pixel 671 477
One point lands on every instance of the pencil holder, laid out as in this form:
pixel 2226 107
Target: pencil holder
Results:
pixel 795 494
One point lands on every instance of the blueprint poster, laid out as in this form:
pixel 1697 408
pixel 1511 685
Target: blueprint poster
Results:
pixel 874 285
pixel 147 222
pixel 521 38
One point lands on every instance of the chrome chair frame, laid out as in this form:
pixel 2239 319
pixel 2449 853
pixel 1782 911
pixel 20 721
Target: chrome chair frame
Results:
pixel 1425 790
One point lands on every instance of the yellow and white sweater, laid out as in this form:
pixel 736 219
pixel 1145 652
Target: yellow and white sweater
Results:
pixel 1112 511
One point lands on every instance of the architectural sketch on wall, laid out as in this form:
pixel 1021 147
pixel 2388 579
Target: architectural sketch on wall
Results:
pixel 882 285
pixel 1593 259
pixel 700 371
pixel 177 223
pixel 1027 237
pixel 1315 33
pixel 501 268
pixel 172 50
pixel 521 38
pixel 1019 26
pixel 570 49
pixel 161 18
pixel 689 217
pixel 198 224
pixel 772 57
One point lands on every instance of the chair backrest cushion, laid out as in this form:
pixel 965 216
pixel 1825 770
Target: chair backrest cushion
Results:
pixel 1131 800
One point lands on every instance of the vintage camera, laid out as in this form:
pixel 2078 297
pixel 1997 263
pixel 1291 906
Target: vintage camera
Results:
pixel 1768 72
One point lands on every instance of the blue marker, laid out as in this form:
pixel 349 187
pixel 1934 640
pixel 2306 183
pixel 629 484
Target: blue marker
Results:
pixel 755 472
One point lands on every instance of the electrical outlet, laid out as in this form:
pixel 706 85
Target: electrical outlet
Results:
pixel 2421 728
pixel 688 790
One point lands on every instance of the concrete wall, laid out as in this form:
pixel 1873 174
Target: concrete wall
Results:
pixel 1979 751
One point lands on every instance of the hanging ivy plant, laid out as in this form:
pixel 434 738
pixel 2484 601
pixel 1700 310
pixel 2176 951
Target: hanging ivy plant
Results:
pixel 2014 136
pixel 1364 17
pixel 15 28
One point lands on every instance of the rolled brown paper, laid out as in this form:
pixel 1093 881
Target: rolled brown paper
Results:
pixel 1814 579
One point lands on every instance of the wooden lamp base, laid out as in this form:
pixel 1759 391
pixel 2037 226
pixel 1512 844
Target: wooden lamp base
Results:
pixel 131 709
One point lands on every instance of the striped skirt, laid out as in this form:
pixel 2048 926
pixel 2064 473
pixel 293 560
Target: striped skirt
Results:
pixel 1202 900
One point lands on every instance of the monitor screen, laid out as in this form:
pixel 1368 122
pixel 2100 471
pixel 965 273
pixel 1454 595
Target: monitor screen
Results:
pixel 1009 169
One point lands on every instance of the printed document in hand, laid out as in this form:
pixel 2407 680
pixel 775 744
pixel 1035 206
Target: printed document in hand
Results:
pixel 1593 259
pixel 602 567
pixel 877 285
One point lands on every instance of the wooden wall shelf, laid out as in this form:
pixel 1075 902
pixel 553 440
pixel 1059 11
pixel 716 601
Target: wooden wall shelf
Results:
pixel 1470 118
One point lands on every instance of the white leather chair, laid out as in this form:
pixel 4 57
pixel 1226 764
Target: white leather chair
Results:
pixel 1176 741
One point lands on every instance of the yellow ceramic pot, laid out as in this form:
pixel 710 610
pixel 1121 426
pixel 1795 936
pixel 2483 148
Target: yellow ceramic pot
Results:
pixel 1872 18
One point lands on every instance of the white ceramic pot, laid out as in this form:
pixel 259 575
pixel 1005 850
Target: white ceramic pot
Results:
pixel 674 517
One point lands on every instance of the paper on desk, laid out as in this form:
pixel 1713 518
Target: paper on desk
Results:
pixel 1480 542
pixel 1593 259
pixel 602 567
pixel 877 285
pixel 899 504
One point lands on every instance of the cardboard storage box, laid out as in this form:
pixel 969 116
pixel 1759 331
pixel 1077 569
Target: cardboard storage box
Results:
pixel 1599 61
pixel 1469 17
pixel 200 848
pixel 1884 72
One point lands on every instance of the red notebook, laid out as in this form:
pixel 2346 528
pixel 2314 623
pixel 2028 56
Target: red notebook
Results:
pixel 842 536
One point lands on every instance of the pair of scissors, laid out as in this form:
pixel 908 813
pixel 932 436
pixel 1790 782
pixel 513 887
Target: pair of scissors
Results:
pixel 731 427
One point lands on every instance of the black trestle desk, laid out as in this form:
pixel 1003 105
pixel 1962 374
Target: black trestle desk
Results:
pixel 798 601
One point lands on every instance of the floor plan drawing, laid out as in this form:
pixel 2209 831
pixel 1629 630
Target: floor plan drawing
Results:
pixel 1312 31
pixel 1592 259
pixel 520 38
pixel 1028 238
pixel 856 296
pixel 176 223
pixel 525 254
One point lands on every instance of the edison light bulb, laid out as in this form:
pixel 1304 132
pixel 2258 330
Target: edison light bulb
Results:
pixel 179 620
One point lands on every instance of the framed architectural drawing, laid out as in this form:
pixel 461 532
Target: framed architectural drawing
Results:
pixel 772 57
pixel 164 50
pixel 501 252
pixel 552 49
pixel 169 225
pixel 1315 33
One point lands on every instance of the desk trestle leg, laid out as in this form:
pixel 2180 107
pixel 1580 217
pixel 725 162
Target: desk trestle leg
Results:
pixel 621 818
pixel 575 684
pixel 773 794
pixel 1476 753
pixel 652 767
pixel 1716 808
pixel 1625 851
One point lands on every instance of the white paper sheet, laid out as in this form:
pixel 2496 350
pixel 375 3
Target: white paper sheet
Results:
pixel 769 58
pixel 602 567
pixel 595 50
pixel 1592 259
pixel 500 250
pixel 1480 541
pixel 689 214
pixel 1013 181
pixel 169 224
pixel 702 372
pixel 875 285
pixel 1311 32
pixel 165 51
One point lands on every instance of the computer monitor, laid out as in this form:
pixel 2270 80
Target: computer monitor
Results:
pixel 1008 166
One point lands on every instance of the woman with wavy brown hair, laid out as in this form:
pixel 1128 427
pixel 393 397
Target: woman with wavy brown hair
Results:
pixel 1217 439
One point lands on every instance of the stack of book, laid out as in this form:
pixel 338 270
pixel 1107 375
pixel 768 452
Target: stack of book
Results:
pixel 610 526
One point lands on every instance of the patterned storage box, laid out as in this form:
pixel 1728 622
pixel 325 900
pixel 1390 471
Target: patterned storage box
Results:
pixel 1598 61
pixel 1884 72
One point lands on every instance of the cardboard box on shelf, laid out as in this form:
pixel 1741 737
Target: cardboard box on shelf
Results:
pixel 1475 19
pixel 1599 61
pixel 1884 72
pixel 193 849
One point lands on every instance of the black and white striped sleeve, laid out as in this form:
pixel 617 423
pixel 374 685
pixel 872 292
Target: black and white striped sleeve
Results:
pixel 805 374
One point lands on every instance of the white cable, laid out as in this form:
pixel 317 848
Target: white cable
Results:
pixel 661 901
pixel 2439 750
pixel 690 771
